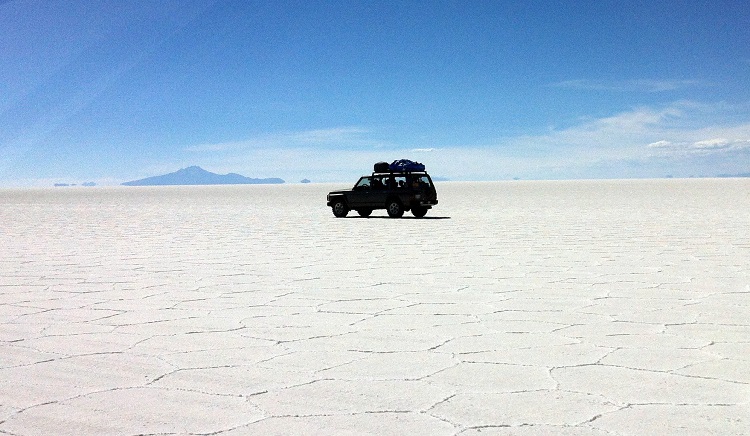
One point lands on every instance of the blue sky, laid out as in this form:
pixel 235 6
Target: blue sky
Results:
pixel 477 90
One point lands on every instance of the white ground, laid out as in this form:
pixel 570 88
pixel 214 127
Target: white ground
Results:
pixel 532 308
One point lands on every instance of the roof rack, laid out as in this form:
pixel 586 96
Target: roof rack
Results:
pixel 399 172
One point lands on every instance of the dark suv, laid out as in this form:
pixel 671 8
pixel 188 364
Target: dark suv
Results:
pixel 394 191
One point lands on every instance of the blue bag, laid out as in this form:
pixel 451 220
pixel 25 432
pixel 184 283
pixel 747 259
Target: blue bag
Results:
pixel 405 165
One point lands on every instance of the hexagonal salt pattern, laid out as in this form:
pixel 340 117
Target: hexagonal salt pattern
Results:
pixel 585 308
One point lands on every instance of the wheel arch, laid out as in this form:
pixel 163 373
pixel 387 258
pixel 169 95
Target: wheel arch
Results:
pixel 341 197
pixel 396 198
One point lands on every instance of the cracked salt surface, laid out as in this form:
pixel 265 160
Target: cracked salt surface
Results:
pixel 571 308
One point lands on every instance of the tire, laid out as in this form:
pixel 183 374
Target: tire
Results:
pixel 364 212
pixel 395 209
pixel 419 212
pixel 340 209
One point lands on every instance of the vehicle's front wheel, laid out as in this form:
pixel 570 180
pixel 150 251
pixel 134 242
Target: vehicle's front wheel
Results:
pixel 364 212
pixel 395 210
pixel 419 212
pixel 340 209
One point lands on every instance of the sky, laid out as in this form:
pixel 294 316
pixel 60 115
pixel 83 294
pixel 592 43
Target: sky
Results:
pixel 103 91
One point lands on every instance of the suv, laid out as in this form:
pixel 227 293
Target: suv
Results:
pixel 394 191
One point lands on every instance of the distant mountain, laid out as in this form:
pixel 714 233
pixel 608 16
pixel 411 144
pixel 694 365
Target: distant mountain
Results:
pixel 198 176
pixel 734 175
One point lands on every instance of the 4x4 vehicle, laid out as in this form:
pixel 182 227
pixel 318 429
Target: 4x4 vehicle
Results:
pixel 395 190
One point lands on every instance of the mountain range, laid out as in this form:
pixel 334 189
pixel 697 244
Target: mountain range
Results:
pixel 195 175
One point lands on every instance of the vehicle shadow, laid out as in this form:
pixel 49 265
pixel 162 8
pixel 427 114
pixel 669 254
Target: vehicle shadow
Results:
pixel 386 217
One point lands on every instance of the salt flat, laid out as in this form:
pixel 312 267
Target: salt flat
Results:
pixel 514 308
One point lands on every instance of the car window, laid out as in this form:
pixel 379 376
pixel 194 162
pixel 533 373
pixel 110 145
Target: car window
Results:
pixel 395 182
pixel 420 182
pixel 363 183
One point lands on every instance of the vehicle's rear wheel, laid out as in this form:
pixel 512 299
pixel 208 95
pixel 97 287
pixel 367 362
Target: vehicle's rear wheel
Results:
pixel 395 210
pixel 364 212
pixel 419 212
pixel 340 209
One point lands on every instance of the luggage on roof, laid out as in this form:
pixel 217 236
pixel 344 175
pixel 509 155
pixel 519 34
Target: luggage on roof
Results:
pixel 405 165
pixel 381 167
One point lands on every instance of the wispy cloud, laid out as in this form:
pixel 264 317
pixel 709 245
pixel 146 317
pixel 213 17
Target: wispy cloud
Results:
pixel 339 137
pixel 640 85
pixel 624 132
pixel 680 125
pixel 681 138
pixel 712 145
pixel 719 143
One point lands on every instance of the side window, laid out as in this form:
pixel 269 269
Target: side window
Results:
pixel 420 182
pixel 364 183
pixel 392 182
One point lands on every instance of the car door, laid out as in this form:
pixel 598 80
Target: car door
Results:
pixel 360 194
pixel 378 192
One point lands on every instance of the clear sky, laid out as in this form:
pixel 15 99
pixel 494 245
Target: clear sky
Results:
pixel 111 91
